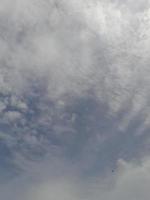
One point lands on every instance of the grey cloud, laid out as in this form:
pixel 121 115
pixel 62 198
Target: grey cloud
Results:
pixel 74 85
pixel 135 7
pixel 130 180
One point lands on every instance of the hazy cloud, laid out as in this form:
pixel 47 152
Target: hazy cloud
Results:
pixel 74 98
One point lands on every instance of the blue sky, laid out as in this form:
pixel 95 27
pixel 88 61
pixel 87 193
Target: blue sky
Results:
pixel 74 99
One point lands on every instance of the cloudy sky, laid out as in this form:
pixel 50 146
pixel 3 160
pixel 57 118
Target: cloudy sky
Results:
pixel 74 99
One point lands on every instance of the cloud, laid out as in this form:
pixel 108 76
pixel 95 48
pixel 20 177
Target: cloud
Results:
pixel 135 7
pixel 74 87
pixel 129 180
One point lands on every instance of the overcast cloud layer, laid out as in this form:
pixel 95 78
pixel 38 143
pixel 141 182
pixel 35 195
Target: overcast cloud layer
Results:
pixel 74 99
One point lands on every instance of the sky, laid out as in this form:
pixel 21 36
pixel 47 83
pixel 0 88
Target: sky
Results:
pixel 74 99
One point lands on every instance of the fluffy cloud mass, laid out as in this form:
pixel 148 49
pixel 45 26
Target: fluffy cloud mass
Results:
pixel 74 99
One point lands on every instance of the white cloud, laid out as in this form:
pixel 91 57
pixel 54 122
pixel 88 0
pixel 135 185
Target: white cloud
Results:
pixel 83 47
